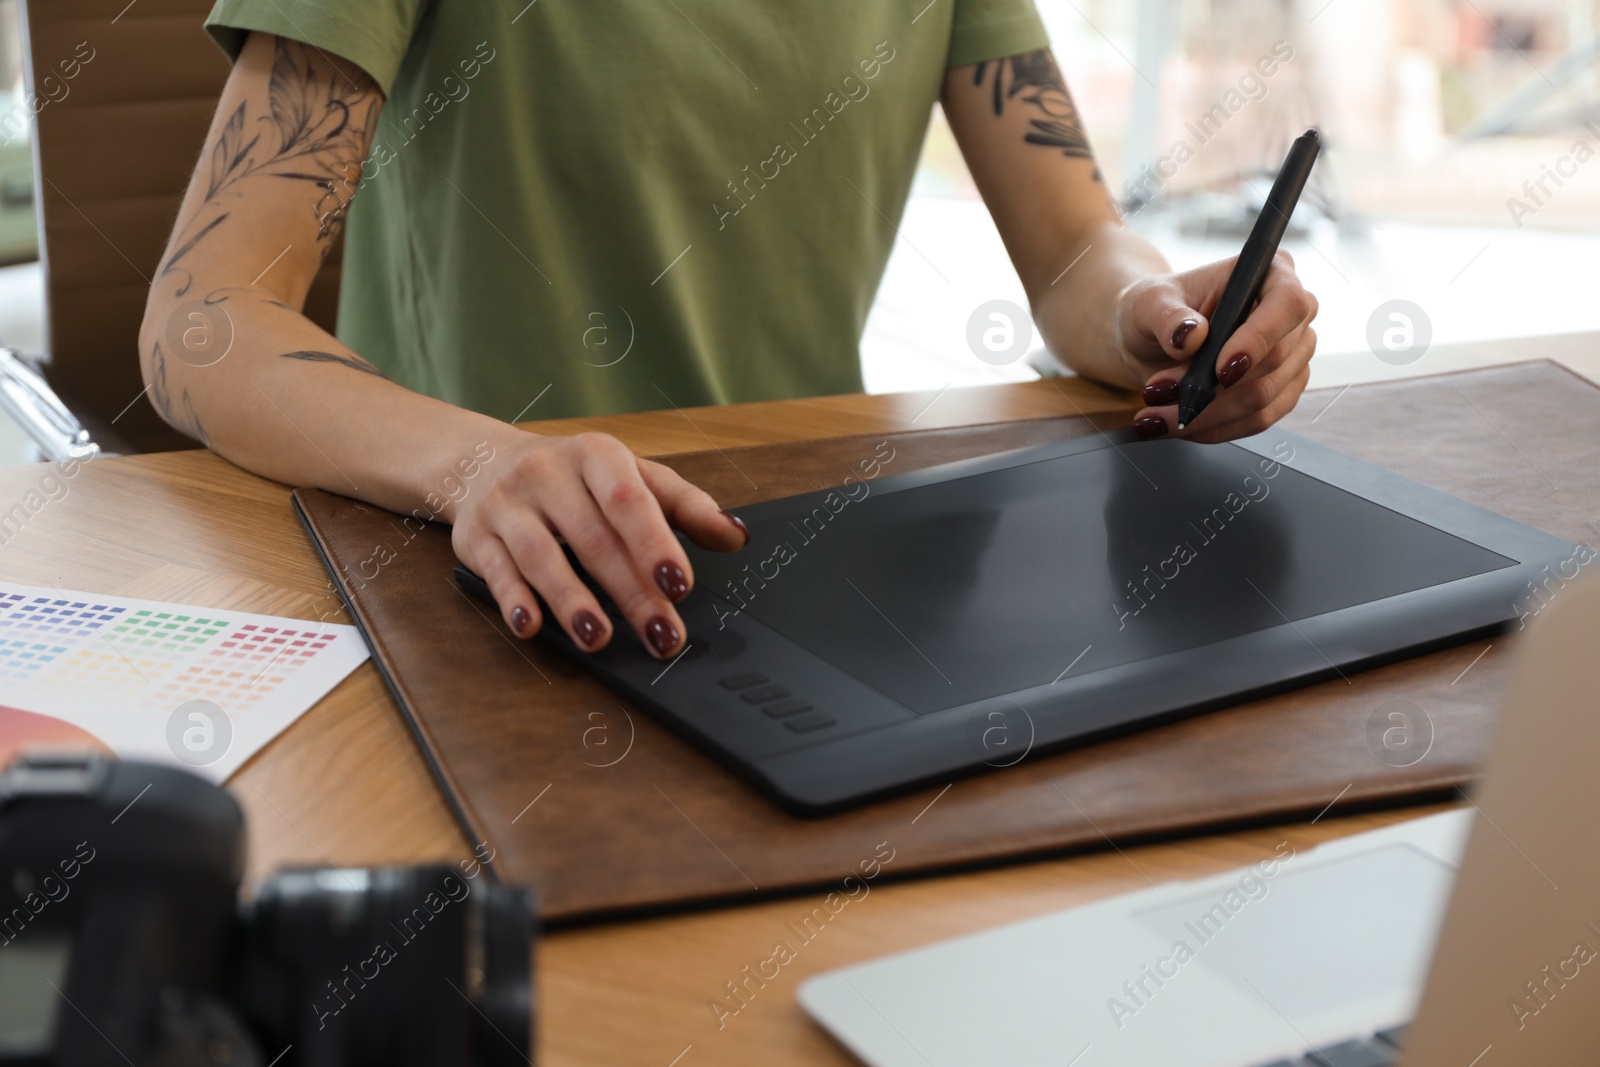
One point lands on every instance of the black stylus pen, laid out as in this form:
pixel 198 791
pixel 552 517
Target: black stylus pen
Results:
pixel 1199 384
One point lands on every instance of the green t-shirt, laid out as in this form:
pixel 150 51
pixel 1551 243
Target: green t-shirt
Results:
pixel 632 203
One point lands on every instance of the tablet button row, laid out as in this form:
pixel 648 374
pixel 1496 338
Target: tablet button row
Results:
pixel 742 681
pixel 784 708
pixel 776 701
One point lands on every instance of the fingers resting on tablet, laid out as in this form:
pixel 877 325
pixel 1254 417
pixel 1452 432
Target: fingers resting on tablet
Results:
pixel 616 512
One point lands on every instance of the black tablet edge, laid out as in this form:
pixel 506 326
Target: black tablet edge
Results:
pixel 1526 547
pixel 1396 492
pixel 1404 496
pixel 1244 646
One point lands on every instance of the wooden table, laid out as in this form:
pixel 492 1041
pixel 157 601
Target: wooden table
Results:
pixel 346 784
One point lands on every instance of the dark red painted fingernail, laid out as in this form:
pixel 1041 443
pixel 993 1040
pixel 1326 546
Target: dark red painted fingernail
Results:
pixel 738 522
pixel 1150 426
pixel 1160 394
pixel 1181 334
pixel 587 627
pixel 1233 370
pixel 519 620
pixel 672 581
pixel 662 635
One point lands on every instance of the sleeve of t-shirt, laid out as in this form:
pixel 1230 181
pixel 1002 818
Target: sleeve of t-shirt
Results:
pixel 373 34
pixel 991 29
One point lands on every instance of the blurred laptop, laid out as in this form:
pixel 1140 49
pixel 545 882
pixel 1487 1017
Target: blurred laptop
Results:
pixel 1319 958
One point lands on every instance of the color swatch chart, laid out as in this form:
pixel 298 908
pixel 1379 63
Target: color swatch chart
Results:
pixel 131 671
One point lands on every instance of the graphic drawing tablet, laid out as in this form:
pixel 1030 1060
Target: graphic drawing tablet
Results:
pixel 909 627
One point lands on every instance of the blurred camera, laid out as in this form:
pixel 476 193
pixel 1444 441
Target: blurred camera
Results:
pixel 123 939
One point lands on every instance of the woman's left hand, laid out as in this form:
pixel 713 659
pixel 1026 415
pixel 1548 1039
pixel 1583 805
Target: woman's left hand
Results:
pixel 1261 371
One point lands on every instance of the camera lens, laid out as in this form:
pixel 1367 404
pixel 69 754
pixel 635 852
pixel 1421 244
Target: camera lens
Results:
pixel 405 966
pixel 504 929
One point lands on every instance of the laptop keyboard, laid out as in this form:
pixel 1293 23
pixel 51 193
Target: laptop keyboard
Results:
pixel 1382 1049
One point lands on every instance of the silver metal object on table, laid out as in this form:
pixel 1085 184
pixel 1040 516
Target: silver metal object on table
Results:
pixel 29 400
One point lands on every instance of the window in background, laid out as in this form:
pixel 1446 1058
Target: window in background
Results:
pixel 1461 169
pixel 21 310
pixel 1462 165
pixel 19 236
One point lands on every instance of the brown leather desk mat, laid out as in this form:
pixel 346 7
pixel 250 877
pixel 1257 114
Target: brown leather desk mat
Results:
pixel 606 811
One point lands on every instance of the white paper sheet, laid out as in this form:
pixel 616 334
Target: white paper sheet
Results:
pixel 198 687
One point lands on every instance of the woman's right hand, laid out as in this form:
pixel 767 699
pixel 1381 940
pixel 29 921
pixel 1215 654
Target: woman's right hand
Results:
pixel 250 240
pixel 614 510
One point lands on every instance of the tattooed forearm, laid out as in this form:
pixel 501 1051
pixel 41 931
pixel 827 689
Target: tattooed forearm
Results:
pixel 1035 78
pixel 317 131
pixel 353 362
pixel 178 411
pixel 188 245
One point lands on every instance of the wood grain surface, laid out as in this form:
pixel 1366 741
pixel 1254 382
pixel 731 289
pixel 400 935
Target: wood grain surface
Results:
pixel 640 820
pixel 346 785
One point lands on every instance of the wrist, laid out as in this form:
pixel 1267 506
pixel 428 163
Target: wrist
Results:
pixel 1089 339
pixel 461 469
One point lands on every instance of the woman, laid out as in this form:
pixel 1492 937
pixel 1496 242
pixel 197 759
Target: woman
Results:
pixel 713 184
